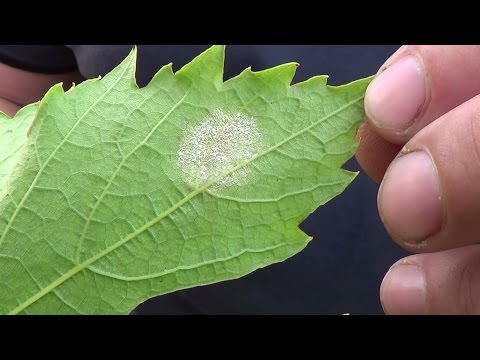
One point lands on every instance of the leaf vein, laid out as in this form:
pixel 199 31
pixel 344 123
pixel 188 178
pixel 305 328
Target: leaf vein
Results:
pixel 115 173
pixel 231 198
pixel 186 267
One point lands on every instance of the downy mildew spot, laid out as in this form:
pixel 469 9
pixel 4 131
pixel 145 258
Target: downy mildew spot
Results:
pixel 212 149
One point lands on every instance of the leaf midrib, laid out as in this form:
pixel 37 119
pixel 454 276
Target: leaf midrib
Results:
pixel 80 267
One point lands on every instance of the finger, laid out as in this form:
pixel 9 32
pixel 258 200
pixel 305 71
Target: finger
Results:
pixel 24 87
pixel 8 107
pixel 418 85
pixel 446 282
pixel 429 199
pixel 374 154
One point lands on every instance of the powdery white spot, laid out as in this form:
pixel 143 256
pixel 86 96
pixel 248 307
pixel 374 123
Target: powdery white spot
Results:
pixel 217 144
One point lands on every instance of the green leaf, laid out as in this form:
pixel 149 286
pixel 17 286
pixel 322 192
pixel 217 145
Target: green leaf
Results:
pixel 117 194
pixel 13 135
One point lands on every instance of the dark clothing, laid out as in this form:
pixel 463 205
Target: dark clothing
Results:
pixel 342 268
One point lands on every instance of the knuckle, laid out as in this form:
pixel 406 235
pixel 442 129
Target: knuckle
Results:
pixel 473 132
pixel 467 278
pixel 467 281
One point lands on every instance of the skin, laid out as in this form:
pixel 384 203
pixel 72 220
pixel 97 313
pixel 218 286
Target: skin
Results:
pixel 19 87
pixel 421 142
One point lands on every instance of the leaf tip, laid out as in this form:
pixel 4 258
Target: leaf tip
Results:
pixel 319 80
pixel 55 89
pixel 208 65
pixel 219 50
pixel 359 84
pixel 125 71
pixel 165 71
pixel 283 73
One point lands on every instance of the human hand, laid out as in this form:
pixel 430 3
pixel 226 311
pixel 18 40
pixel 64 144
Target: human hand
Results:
pixel 426 104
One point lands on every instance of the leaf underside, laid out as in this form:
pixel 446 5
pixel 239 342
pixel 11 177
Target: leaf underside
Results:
pixel 111 194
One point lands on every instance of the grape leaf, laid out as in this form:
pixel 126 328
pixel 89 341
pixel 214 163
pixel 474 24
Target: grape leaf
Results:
pixel 13 135
pixel 113 194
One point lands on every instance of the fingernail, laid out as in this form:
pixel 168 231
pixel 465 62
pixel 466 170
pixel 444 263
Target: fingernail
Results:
pixel 403 291
pixel 409 198
pixel 394 99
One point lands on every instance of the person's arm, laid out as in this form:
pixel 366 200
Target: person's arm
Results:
pixel 20 87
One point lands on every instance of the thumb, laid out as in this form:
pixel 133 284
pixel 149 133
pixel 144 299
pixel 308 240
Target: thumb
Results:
pixel 446 282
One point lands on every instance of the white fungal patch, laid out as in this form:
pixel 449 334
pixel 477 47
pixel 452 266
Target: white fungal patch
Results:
pixel 215 146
